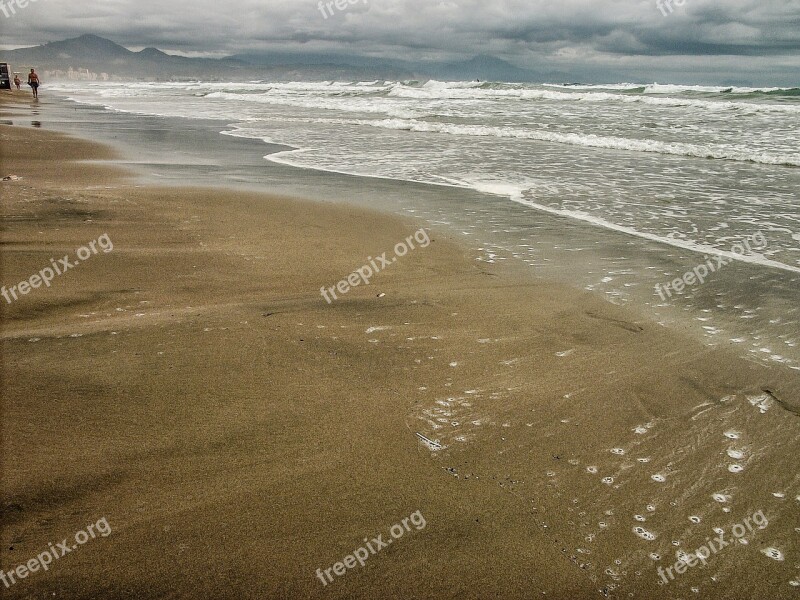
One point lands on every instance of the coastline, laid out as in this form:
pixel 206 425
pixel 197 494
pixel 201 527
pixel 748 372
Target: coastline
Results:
pixel 239 433
pixel 728 310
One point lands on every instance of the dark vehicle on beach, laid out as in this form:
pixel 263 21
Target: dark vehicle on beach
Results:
pixel 5 80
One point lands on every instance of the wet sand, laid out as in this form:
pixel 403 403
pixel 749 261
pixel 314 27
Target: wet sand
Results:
pixel 238 433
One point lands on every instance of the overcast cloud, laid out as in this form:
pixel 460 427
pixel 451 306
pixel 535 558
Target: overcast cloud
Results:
pixel 748 39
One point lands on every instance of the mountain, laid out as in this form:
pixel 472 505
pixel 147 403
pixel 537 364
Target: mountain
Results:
pixel 487 68
pixel 99 55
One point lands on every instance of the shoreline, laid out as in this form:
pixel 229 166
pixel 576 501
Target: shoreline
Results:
pixel 728 310
pixel 238 433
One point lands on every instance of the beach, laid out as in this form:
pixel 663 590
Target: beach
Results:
pixel 239 434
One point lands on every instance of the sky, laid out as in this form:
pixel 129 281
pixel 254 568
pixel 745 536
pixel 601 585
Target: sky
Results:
pixel 740 41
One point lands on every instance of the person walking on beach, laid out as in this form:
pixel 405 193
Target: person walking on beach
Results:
pixel 17 81
pixel 33 81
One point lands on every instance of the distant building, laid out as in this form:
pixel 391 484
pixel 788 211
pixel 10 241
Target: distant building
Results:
pixel 79 74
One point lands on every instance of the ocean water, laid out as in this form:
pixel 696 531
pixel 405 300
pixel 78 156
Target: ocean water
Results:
pixel 693 172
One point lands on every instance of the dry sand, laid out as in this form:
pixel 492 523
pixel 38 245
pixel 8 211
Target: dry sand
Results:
pixel 238 433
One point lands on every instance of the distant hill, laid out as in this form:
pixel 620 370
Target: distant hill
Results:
pixel 104 56
pixel 99 55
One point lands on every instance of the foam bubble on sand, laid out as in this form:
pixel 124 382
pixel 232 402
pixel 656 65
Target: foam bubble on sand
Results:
pixel 734 435
pixel 762 402
pixel 654 556
pixel 592 469
pixel 773 553
pixel 658 477
pixel 565 353
pixel 737 454
pixel 644 534
pixel 721 498
pixel 779 495
pixel 640 518
pixel 608 480
pixel 695 519
pixel 651 508
pixel 377 328
pixel 735 468
pixel 618 451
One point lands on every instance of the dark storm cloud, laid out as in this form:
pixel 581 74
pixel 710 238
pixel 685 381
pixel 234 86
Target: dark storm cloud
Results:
pixel 607 33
